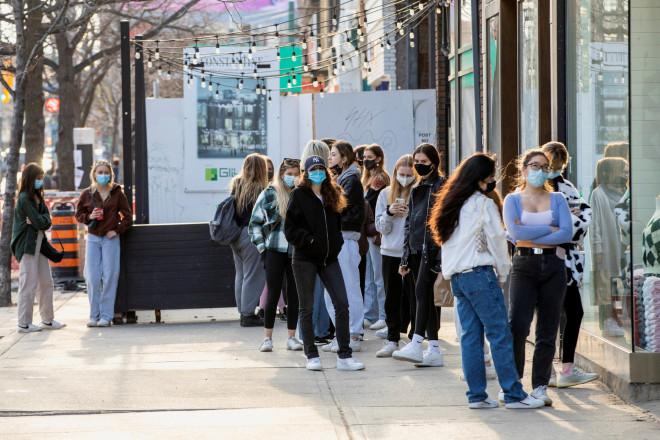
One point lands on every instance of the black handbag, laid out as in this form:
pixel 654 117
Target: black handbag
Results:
pixel 50 252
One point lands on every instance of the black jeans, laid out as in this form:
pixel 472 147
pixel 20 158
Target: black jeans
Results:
pixel 399 296
pixel 537 282
pixel 305 274
pixel 278 266
pixel 426 317
pixel 574 314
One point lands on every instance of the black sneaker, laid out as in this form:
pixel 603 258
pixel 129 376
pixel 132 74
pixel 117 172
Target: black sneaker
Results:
pixel 261 313
pixel 251 321
pixel 283 316
pixel 323 340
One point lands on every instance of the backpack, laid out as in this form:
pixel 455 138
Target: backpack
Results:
pixel 223 227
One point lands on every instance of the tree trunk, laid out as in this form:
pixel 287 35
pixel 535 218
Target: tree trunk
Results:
pixel 12 163
pixel 34 99
pixel 67 117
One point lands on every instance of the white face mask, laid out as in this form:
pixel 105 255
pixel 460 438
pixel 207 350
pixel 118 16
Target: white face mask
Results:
pixel 405 181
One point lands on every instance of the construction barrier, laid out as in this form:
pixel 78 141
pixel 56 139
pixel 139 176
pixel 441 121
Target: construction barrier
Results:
pixel 64 232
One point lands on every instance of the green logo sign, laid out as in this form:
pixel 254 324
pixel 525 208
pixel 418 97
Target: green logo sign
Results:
pixel 211 174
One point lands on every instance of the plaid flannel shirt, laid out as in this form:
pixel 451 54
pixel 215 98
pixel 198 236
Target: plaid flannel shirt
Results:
pixel 266 227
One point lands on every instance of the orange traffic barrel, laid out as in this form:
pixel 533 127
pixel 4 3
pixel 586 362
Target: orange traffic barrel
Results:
pixel 65 231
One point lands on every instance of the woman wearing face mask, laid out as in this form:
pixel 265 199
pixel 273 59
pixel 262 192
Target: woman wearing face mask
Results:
pixel 538 221
pixel 421 256
pixel 342 164
pixel 266 230
pixel 250 274
pixel 466 221
pixel 313 227
pixel 581 219
pixel 391 212
pixel 104 209
pixel 606 248
pixel 271 168
pixel 31 221
pixel 374 179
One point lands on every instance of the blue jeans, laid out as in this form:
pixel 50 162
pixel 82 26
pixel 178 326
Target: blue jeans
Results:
pixel 101 275
pixel 374 285
pixel 480 304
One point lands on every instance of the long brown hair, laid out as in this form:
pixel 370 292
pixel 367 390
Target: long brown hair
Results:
pixel 432 153
pixel 345 150
pixel 609 169
pixel 281 190
pixel 521 163
pixel 462 184
pixel 368 176
pixel 28 176
pixel 252 179
pixel 331 191
pixel 398 191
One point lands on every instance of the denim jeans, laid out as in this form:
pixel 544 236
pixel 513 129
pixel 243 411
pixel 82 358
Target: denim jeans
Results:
pixel 374 286
pixel 537 282
pixel 305 273
pixel 480 305
pixel 101 275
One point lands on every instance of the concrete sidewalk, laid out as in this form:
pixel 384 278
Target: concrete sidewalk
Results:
pixel 200 375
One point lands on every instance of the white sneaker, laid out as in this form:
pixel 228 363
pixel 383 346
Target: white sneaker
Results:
pixel 380 324
pixel 29 329
pixel 314 364
pixel 490 371
pixel 575 377
pixel 541 393
pixel 355 345
pixel 486 403
pixel 553 380
pixel 103 323
pixel 528 402
pixel 331 347
pixel 367 323
pixel 53 325
pixel 411 352
pixel 388 348
pixel 382 333
pixel 293 344
pixel 266 345
pixel 500 396
pixel 92 323
pixel 431 359
pixel 349 364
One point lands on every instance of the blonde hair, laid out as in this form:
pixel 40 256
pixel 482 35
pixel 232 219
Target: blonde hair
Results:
pixel 522 161
pixel 282 191
pixel 92 173
pixel 315 147
pixel 398 191
pixel 248 184
pixel 557 152
pixel 368 176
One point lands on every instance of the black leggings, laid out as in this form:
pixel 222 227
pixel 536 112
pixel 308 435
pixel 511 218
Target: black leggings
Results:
pixel 427 316
pixel 278 266
pixel 574 314
pixel 399 298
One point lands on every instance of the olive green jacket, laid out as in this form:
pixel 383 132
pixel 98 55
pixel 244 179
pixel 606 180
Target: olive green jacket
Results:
pixel 24 236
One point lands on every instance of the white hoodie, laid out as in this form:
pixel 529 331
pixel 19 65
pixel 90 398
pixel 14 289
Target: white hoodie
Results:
pixel 459 253
pixel 391 227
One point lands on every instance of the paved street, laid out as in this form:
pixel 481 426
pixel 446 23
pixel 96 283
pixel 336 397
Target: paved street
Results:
pixel 199 375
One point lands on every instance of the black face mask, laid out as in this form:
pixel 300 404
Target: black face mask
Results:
pixel 370 164
pixel 337 169
pixel 423 169
pixel 270 175
pixel 360 163
pixel 489 187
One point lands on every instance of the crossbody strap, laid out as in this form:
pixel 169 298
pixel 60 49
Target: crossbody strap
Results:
pixel 481 214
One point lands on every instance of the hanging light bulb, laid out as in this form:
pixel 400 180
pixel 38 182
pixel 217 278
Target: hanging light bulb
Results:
pixel 334 20
pixel 412 11
pixel 306 67
pixel 240 60
pixel 157 54
pixel 343 66
pixel 359 31
pixel 623 77
pixel 322 93
pixel 185 66
pixel 169 74
pixel 258 89
pixel 189 81
pixel 335 70
pixel 412 34
pixel 217 45
pixel 438 10
pixel 240 84
pixel 402 31
pixel 288 83
pixel 388 45
pixel 210 86
pixel 196 51
pixel 278 54
pixel 421 5
pixel 233 62
pixel 361 38
pixel 149 63
pixel 369 69
pixel 249 53
pixel 293 54
pixel 311 32
pixel 277 33
pixel 412 43
pixel 270 100
pixel 304 43
pixel 600 76
pixel 254 74
pixel 203 75
pixel 294 80
pixel 365 17
pixel 399 25
pixel 315 82
pixel 203 83
pixel 137 52
pixel 320 48
pixel 160 70
pixel 217 94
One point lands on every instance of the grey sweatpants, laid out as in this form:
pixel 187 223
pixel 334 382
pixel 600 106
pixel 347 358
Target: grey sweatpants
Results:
pixel 35 279
pixel 250 274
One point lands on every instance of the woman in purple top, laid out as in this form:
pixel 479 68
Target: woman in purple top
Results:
pixel 537 221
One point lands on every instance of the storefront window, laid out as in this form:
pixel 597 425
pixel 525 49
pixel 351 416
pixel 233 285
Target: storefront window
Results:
pixel 466 22
pixel 598 141
pixel 528 75
pixel 493 84
pixel 468 129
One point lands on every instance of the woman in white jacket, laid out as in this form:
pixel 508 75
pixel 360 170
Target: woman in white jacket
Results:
pixel 391 211
pixel 467 223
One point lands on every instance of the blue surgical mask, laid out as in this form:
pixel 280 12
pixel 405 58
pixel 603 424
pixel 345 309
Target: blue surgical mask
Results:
pixel 38 184
pixel 103 179
pixel 537 178
pixel 554 174
pixel 289 181
pixel 317 177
